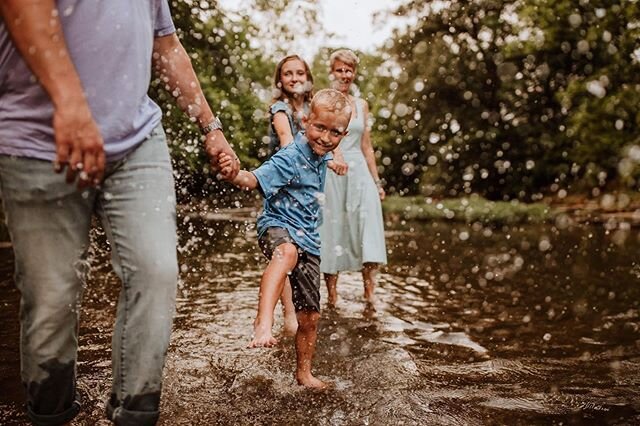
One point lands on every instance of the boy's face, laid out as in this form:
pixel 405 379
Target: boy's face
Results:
pixel 325 129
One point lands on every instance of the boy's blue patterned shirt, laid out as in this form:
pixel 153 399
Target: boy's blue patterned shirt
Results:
pixel 292 183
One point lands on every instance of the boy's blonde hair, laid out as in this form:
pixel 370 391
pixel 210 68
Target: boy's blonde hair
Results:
pixel 344 55
pixel 332 100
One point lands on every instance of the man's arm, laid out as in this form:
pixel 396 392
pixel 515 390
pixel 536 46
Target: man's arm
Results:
pixel 37 33
pixel 173 65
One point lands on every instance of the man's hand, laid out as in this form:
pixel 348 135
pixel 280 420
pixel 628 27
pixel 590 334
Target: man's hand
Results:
pixel 37 33
pixel 339 167
pixel 79 144
pixel 215 145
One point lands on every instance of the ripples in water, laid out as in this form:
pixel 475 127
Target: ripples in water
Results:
pixel 524 325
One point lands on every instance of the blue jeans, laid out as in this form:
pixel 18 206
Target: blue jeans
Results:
pixel 49 222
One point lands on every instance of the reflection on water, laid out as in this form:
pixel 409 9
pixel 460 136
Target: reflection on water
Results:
pixel 473 325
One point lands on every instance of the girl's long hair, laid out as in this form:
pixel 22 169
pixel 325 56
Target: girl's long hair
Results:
pixel 280 94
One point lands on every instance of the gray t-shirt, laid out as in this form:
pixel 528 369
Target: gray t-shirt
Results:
pixel 110 43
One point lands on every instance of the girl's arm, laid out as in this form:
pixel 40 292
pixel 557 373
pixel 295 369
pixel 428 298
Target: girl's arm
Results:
pixel 367 150
pixel 282 128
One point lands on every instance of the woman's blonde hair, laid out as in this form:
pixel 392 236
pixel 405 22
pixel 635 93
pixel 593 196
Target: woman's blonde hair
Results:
pixel 344 55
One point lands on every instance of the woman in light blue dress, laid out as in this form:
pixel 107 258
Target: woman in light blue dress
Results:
pixel 352 229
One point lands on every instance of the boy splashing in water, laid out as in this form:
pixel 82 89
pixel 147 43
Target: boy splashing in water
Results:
pixel 292 183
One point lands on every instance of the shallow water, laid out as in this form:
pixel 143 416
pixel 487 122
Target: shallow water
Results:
pixel 473 326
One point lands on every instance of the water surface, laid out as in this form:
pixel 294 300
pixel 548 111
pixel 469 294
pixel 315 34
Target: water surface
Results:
pixel 473 325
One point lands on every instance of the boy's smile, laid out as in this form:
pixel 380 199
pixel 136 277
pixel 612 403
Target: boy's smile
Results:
pixel 325 129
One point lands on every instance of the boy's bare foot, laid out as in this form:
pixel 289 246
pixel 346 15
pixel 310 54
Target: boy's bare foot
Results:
pixel 262 338
pixel 309 381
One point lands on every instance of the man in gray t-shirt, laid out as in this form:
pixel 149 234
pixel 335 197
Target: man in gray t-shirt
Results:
pixel 74 76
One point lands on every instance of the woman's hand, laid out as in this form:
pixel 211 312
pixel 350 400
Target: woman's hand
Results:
pixel 381 192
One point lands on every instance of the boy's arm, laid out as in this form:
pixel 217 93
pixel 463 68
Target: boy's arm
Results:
pixel 243 180
pixel 173 65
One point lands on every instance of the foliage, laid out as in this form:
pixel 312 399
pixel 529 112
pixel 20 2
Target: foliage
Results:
pixel 231 73
pixel 509 99
pixel 497 96
pixel 472 209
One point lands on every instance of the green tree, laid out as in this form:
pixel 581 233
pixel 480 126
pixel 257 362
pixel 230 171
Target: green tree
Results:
pixel 231 73
pixel 496 96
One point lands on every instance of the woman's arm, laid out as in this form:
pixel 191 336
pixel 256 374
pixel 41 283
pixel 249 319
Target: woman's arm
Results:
pixel 282 128
pixel 367 150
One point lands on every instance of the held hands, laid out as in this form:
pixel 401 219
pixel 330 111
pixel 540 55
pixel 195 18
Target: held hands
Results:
pixel 225 164
pixel 79 144
pixel 221 156
pixel 339 167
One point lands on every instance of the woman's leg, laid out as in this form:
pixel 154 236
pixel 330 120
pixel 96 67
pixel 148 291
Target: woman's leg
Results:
pixel 332 288
pixel 369 279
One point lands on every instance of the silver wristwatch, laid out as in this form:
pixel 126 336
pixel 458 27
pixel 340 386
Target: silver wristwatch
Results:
pixel 215 124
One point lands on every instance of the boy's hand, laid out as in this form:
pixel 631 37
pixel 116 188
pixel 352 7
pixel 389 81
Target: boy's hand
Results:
pixel 339 167
pixel 226 166
pixel 216 145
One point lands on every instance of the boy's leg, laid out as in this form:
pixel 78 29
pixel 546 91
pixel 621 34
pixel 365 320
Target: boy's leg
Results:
pixel 137 208
pixel 306 337
pixel 289 311
pixel 283 260
pixel 305 283
pixel 48 220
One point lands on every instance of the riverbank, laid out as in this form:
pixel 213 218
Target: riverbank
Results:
pixel 611 209
pixel 614 210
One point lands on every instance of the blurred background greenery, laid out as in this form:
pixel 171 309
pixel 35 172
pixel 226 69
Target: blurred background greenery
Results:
pixel 504 99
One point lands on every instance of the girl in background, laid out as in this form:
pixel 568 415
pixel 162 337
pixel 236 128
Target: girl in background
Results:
pixel 293 90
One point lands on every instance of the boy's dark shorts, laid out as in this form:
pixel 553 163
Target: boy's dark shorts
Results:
pixel 305 277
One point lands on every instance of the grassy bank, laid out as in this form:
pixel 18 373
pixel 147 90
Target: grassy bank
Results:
pixel 471 209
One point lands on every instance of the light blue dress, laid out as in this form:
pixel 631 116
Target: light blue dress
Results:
pixel 352 229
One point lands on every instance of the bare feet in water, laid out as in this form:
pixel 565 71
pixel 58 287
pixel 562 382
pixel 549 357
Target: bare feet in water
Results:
pixel 309 381
pixel 262 338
